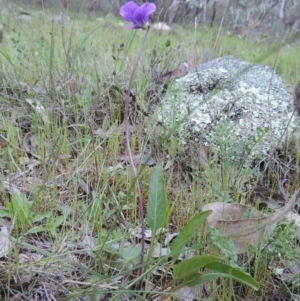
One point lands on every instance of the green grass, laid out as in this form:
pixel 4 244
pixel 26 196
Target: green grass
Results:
pixel 74 207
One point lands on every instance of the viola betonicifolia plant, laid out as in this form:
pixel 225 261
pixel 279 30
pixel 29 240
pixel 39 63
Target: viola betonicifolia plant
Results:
pixel 139 17
pixel 189 272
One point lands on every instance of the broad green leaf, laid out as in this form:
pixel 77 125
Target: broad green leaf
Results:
pixel 37 229
pixel 198 278
pixel 66 210
pixel 233 273
pixel 59 221
pixel 157 203
pixel 42 216
pixel 191 266
pixel 19 208
pixel 131 254
pixel 190 271
pixel 187 233
pixel 52 230
pixel 51 227
pixel 4 213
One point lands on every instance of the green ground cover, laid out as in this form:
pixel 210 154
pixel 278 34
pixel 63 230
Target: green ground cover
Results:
pixel 68 199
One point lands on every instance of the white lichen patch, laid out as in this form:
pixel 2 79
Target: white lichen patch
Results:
pixel 251 98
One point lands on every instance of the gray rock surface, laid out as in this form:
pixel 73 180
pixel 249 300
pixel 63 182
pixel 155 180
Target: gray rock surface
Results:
pixel 61 18
pixel 230 100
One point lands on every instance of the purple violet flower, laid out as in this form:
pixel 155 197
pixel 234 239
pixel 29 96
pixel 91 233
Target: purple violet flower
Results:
pixel 138 15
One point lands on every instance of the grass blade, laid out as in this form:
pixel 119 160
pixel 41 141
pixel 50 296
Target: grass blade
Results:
pixel 187 233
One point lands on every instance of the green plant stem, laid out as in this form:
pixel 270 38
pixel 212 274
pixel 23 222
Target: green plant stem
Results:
pixel 126 122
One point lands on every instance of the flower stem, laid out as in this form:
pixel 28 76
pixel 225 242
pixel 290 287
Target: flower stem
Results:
pixel 126 122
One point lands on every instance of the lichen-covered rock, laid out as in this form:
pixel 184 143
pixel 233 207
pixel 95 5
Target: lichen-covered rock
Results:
pixel 25 17
pixel 229 100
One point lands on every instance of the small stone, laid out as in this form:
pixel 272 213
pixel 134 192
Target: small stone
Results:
pixel 162 27
pixel 61 18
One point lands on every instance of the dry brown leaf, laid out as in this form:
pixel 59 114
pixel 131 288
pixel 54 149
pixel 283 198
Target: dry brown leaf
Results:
pixel 139 159
pixel 290 274
pixel 3 142
pixel 11 188
pixel 23 160
pixel 31 165
pixel 266 197
pixel 204 156
pixel 115 168
pixel 85 186
pixel 114 129
pixel 166 298
pixel 39 108
pixel 231 220
pixel 186 293
pixel 168 164
pixel 29 142
pixel 107 134
pixel 30 257
pixel 159 251
pixel 181 71
pixel 4 242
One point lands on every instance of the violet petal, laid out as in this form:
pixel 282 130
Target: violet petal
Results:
pixel 141 15
pixel 127 10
